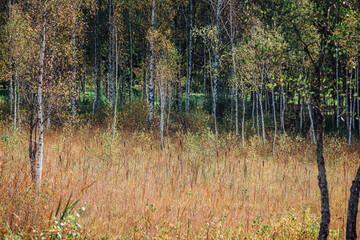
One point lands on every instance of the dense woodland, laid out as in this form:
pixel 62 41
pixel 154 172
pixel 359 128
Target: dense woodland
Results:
pixel 199 95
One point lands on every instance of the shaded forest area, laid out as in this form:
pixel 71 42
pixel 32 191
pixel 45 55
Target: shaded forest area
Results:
pixel 179 119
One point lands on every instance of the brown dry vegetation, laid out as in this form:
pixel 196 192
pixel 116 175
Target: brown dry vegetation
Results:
pixel 128 190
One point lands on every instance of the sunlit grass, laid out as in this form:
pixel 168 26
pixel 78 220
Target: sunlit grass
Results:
pixel 128 188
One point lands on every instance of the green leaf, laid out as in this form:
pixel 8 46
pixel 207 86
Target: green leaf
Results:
pixel 6 225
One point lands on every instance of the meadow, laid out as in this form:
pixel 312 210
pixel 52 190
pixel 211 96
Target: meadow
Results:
pixel 100 184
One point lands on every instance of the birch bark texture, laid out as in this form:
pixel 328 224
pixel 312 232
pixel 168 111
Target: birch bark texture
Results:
pixel 151 64
pixel 40 104
pixel 190 57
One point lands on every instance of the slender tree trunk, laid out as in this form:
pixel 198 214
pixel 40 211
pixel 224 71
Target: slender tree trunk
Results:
pixel 11 65
pixel 301 99
pixel 274 114
pixel 204 75
pixel 110 56
pixel 253 108
pixel 40 104
pixel 337 89
pixel 323 185
pixel 168 116
pixel 162 99
pixel 325 207
pixel 11 94
pixel 73 82
pixel 280 106
pixel 257 112
pixel 266 100
pixel 151 90
pixel 124 83
pixel 216 50
pixel 232 103
pixel 261 106
pixel 353 208
pixel 282 111
pixel 212 80
pixel 178 82
pixel 18 106
pixel 179 90
pixel 116 82
pixel 237 110
pixel 234 74
pixel 243 114
pixel 144 84
pixel 97 58
pixel 189 69
pixel 312 130
pixel 15 97
pixel 84 85
pixel 49 115
pixel 73 85
pixel 351 113
pixel 358 92
pixel 97 63
pixel 131 60
pixel 32 138
pixel 347 102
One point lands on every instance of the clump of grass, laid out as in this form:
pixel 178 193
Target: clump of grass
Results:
pixel 197 192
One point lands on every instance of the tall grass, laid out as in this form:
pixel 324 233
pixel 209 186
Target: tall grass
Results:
pixel 127 190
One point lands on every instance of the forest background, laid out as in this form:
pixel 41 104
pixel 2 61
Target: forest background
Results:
pixel 184 119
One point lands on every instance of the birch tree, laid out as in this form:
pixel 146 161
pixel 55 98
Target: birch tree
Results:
pixel 165 67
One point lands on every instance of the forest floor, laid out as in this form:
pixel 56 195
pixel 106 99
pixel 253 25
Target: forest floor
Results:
pixel 128 188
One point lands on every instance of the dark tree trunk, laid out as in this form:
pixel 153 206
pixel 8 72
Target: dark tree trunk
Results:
pixel 353 208
pixel 319 128
pixel 110 56
pixel 131 61
pixel 97 61
pixel 11 69
pixel 204 75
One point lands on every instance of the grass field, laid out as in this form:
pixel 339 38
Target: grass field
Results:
pixel 128 189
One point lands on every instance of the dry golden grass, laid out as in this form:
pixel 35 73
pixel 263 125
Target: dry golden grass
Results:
pixel 130 191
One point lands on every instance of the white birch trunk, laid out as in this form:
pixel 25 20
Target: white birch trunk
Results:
pixel 116 83
pixel 216 50
pixel 253 109
pixel 15 97
pixel 261 106
pixel 18 107
pixel 110 56
pixel 151 63
pixel 312 131
pixel 274 115
pixel 351 108
pixel 282 111
pixel 212 80
pixel 337 89
pixel 189 69
pixel 40 105
pixel 257 112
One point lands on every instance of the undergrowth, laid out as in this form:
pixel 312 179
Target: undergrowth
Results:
pixel 100 184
